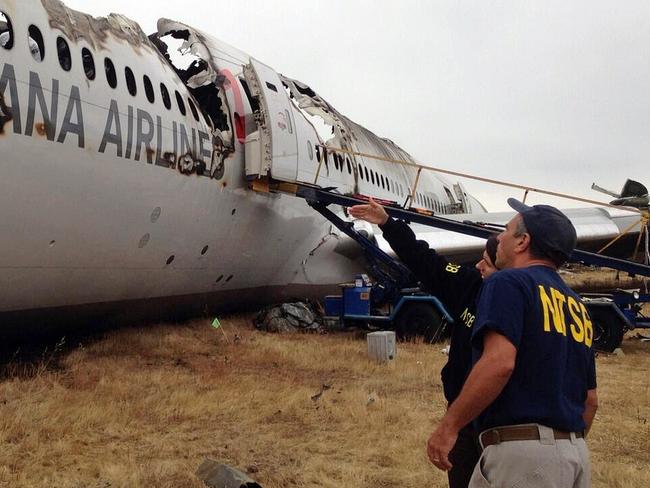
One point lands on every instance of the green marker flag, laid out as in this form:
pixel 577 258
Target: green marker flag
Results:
pixel 215 323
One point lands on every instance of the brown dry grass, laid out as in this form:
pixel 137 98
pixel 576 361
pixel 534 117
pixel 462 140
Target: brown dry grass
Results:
pixel 142 407
pixel 586 279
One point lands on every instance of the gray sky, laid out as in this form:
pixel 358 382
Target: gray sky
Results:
pixel 549 94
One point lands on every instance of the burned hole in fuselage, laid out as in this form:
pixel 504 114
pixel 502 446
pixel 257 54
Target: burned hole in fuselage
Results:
pixel 198 76
pixel 6 31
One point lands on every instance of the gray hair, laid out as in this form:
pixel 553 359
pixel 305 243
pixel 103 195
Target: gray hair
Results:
pixel 521 227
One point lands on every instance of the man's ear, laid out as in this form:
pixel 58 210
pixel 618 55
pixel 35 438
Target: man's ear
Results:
pixel 523 243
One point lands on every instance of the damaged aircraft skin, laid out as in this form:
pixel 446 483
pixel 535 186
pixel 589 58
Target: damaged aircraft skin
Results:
pixel 129 178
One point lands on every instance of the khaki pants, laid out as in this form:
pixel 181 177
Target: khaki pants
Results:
pixel 544 463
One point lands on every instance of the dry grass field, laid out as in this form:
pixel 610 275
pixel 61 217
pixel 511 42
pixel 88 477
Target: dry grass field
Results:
pixel 586 279
pixel 144 406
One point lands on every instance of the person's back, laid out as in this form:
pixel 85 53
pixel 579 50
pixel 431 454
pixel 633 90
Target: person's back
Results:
pixel 532 388
pixel 554 359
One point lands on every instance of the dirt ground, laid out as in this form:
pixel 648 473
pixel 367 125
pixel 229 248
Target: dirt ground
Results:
pixel 144 406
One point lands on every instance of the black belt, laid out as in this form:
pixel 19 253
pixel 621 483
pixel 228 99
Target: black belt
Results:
pixel 519 433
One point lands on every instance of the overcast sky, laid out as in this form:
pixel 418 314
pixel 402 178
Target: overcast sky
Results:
pixel 550 94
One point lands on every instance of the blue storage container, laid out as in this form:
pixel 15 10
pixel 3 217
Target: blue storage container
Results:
pixel 356 300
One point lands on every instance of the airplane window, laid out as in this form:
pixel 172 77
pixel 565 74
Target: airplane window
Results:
pixel 36 44
pixel 341 161
pixel 361 172
pixel 65 58
pixel 271 86
pixel 195 114
pixel 366 171
pixel 148 89
pixel 383 184
pixel 347 161
pixel 6 32
pixel 88 62
pixel 372 175
pixel 165 96
pixel 111 76
pixel 130 81
pixel 181 103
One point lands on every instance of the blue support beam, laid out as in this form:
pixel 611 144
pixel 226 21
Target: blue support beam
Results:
pixel 325 197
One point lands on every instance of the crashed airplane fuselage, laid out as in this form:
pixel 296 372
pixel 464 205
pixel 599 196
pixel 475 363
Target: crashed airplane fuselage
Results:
pixel 128 175
pixel 133 171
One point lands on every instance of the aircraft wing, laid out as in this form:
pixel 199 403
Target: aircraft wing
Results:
pixel 595 227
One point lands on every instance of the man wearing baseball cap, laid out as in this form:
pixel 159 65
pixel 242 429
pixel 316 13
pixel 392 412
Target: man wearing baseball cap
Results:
pixel 532 389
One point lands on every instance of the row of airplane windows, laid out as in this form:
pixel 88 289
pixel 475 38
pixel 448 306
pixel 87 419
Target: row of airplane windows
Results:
pixel 37 48
pixel 424 199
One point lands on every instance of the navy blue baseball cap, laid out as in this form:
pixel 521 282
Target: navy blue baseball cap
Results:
pixel 552 233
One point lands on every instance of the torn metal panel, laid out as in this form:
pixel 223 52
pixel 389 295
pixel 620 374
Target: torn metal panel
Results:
pixel 94 30
pixel 347 134
pixel 207 83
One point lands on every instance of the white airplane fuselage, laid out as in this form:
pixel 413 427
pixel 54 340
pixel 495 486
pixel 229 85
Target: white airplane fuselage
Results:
pixel 126 178
pixel 98 206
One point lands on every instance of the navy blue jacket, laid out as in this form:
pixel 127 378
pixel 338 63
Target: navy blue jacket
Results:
pixel 455 285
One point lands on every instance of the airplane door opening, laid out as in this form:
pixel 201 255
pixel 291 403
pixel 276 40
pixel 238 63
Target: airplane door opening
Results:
pixel 273 147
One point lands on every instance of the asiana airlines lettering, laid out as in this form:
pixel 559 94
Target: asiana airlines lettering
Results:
pixel 565 315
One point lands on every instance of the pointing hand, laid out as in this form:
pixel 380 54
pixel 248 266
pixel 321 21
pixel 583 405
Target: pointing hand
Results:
pixel 371 212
